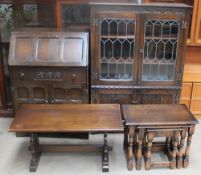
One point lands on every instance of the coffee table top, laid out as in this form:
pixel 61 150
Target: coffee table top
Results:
pixel 160 114
pixel 67 118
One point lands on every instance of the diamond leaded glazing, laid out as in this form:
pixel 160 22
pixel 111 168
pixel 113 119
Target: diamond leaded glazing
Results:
pixel 160 50
pixel 117 41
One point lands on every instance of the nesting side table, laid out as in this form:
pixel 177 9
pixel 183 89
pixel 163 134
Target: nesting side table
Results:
pixel 144 122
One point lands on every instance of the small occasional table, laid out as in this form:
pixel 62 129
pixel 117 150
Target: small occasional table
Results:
pixel 145 122
pixel 78 118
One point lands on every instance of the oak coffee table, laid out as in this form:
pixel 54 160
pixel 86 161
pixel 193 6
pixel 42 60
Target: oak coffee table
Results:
pixel 78 118
pixel 145 122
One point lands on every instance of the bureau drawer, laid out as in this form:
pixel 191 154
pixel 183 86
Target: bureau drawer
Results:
pixel 70 75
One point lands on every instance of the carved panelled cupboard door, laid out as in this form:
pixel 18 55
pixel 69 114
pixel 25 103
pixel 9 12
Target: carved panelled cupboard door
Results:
pixel 116 42
pixel 68 93
pixel 115 96
pixel 157 96
pixel 161 43
pixel 29 92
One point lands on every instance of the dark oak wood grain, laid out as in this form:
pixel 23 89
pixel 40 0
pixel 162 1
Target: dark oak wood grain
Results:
pixel 67 118
pixel 169 114
pixel 54 118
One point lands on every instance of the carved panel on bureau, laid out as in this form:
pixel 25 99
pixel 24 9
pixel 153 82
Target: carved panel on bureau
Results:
pixel 39 93
pixel 22 92
pixel 29 92
pixel 48 76
pixel 65 93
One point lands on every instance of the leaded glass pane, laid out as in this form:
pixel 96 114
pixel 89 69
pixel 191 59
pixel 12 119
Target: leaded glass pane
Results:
pixel 112 71
pixel 117 41
pixel 160 50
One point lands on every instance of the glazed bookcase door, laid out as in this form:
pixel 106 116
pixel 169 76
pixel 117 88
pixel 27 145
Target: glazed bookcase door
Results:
pixel 116 49
pixel 162 39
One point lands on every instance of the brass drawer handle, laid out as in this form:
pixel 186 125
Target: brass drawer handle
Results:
pixel 74 76
pixel 21 75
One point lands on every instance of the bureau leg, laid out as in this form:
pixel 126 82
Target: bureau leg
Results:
pixel 189 138
pixel 174 151
pixel 130 155
pixel 181 149
pixel 105 157
pixel 34 149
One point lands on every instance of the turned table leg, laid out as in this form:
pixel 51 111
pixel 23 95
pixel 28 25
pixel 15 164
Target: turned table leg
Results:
pixel 105 157
pixel 174 151
pixel 150 136
pixel 181 149
pixel 139 149
pixel 34 149
pixel 130 148
pixel 167 147
pixel 189 138
pixel 125 144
